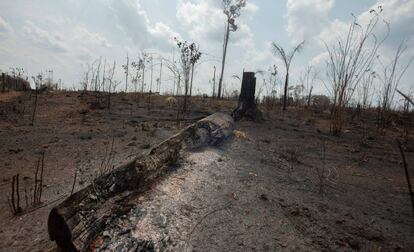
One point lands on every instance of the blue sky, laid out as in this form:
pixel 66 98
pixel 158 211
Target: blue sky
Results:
pixel 66 35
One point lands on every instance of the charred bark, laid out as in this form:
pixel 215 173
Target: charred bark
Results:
pixel 247 104
pixel 75 222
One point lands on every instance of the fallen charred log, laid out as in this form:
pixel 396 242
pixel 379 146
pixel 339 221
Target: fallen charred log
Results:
pixel 74 223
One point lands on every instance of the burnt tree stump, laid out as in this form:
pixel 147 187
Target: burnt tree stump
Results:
pixel 246 107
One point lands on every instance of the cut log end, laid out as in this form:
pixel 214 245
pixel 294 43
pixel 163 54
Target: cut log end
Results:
pixel 60 232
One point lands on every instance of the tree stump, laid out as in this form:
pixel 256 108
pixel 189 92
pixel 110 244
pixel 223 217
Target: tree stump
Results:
pixel 75 222
pixel 246 107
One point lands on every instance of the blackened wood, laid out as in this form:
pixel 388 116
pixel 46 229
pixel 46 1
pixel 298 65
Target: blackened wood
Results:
pixel 12 196
pixel 407 175
pixel 247 104
pixel 19 209
pixel 405 97
pixel 75 222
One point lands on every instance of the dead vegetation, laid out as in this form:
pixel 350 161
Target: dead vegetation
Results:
pixel 303 171
pixel 33 196
pixel 300 140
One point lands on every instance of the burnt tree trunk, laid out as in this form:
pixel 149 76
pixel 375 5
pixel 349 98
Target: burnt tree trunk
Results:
pixel 223 60
pixel 247 104
pixel 285 95
pixel 75 222
pixel 309 97
pixel 3 80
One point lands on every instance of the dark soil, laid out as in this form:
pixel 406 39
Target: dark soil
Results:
pixel 76 134
pixel 259 191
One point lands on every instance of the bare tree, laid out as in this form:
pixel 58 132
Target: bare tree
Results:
pixel 175 69
pixel 391 77
pixel 349 60
pixel 307 80
pixel 214 82
pixel 365 90
pixel 160 78
pixel 287 60
pixel 126 69
pixel 96 78
pixel 111 87
pixel 91 79
pixel 151 60
pixel 85 81
pixel 190 54
pixel 231 9
pixel 176 75
pixel 270 81
pixel 195 56
pixel 142 61
pixel 102 85
pixel 138 73
pixel 38 82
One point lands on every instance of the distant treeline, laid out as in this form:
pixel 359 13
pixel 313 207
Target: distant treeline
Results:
pixel 8 82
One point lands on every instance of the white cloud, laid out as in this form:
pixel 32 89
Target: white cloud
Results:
pixel 42 38
pixel 163 32
pixel 65 36
pixel 134 22
pixel 399 15
pixel 332 31
pixel 320 59
pixel 397 12
pixel 203 21
pixel 5 27
pixel 307 18
pixel 131 19
pixel 249 10
pixel 89 39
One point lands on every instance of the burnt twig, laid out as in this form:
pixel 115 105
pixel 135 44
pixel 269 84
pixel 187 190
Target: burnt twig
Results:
pixel 41 178
pixel 35 185
pixel 405 97
pixel 407 175
pixel 14 201
pixel 12 195
pixel 74 182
